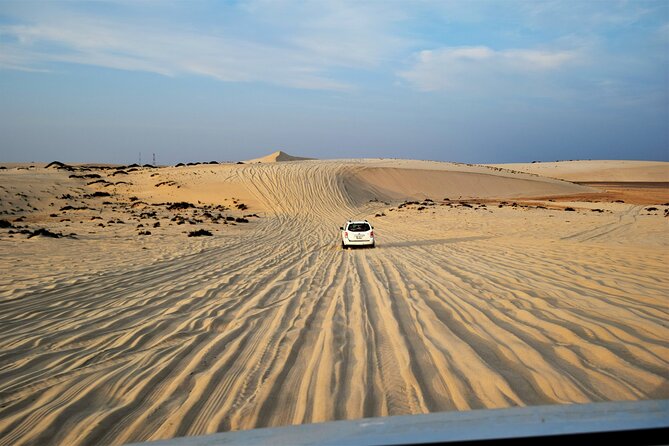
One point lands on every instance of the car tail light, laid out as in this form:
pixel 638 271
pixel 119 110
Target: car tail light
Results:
pixel 346 234
pixel 371 234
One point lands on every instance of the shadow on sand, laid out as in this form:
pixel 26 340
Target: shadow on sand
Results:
pixel 441 241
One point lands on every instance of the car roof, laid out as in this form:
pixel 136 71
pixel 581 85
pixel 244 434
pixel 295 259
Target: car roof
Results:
pixel 356 222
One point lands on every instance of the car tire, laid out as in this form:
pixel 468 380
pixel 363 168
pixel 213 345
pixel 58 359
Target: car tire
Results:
pixel 343 246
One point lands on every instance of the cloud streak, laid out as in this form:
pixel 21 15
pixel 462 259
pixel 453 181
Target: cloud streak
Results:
pixel 450 68
pixel 303 56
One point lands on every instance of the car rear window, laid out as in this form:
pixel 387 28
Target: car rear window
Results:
pixel 358 227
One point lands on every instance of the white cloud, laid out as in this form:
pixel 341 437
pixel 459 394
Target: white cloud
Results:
pixel 526 60
pixel 482 67
pixel 296 46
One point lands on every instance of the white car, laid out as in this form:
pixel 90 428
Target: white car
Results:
pixel 357 233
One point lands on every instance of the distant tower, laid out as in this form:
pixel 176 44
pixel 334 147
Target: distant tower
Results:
pixel 154 159
pixel 140 158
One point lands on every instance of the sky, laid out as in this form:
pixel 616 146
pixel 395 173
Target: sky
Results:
pixel 465 81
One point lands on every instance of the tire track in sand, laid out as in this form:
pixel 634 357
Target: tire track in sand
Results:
pixel 282 327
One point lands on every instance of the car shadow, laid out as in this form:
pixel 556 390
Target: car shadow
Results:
pixel 441 241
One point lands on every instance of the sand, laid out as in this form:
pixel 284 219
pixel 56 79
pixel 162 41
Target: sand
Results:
pixel 276 157
pixel 597 170
pixel 493 294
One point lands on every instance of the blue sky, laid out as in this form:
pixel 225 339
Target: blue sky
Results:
pixel 476 81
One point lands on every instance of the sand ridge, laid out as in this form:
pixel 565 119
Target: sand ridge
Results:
pixel 276 157
pixel 464 304
pixel 597 170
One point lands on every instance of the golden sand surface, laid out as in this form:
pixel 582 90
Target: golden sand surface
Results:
pixel 503 289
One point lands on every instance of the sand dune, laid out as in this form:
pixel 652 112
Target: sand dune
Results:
pixel 598 170
pixel 276 157
pixel 473 302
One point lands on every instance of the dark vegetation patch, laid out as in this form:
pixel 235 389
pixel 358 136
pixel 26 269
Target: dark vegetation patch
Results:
pixel 570 209
pixel 42 232
pixel 86 175
pixel 59 165
pixel 407 203
pixel 75 208
pixel 180 205
pixel 5 224
pixel 97 181
pixel 199 233
pixel 97 194
pixel 166 183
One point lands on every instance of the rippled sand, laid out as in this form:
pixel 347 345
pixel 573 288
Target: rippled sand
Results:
pixel 467 303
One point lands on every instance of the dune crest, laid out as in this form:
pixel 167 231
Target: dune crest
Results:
pixel 276 157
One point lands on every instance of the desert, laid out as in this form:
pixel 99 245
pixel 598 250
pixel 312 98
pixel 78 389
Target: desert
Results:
pixel 140 303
